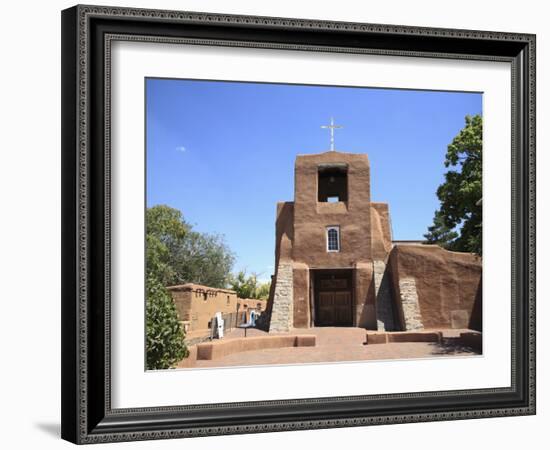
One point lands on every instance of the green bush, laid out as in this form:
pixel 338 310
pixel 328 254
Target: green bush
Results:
pixel 165 337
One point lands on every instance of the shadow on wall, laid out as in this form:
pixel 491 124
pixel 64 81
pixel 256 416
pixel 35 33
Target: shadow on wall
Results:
pixel 367 318
pixel 385 303
pixel 476 317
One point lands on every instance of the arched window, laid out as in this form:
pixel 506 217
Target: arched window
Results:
pixel 333 239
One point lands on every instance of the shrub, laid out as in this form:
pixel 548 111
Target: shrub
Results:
pixel 165 344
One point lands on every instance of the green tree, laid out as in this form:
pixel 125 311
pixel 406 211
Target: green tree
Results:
pixel 158 260
pixel 166 223
pixel 166 232
pixel 262 292
pixel 165 343
pixel 245 286
pixel 176 254
pixel 460 194
pixel 248 286
pixel 204 259
pixel 439 233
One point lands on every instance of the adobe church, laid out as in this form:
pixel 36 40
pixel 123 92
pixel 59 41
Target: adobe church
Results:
pixel 336 264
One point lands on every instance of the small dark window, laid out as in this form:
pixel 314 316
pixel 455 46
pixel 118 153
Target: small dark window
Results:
pixel 332 184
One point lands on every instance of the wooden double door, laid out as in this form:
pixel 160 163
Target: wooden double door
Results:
pixel 333 298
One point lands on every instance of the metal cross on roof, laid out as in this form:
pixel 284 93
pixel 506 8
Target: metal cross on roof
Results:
pixel 332 127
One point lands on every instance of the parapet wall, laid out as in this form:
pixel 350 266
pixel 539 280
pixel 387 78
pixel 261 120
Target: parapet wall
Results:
pixel 447 287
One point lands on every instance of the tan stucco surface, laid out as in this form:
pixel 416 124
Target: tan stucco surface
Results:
pixel 311 218
pixel 448 284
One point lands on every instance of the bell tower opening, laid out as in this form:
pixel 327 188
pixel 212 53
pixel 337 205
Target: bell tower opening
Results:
pixel 332 183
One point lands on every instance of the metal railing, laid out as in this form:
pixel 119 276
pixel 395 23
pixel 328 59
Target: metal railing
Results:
pixel 230 321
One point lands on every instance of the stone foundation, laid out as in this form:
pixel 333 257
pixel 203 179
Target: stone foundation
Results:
pixel 282 313
pixel 409 303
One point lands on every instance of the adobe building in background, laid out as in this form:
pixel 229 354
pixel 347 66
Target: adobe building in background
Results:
pixel 197 305
pixel 336 264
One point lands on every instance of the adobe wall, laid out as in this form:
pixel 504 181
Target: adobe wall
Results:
pixel 381 231
pixel 364 296
pixel 252 304
pixel 312 217
pixel 301 279
pixel 197 304
pixel 284 231
pixel 446 286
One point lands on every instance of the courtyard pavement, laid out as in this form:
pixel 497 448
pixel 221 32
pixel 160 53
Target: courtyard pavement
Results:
pixel 333 344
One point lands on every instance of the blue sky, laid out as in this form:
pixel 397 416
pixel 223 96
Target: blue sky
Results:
pixel 223 152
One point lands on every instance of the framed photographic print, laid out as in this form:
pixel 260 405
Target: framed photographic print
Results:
pixel 280 224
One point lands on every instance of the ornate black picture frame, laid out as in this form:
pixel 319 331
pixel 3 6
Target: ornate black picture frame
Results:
pixel 87 33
